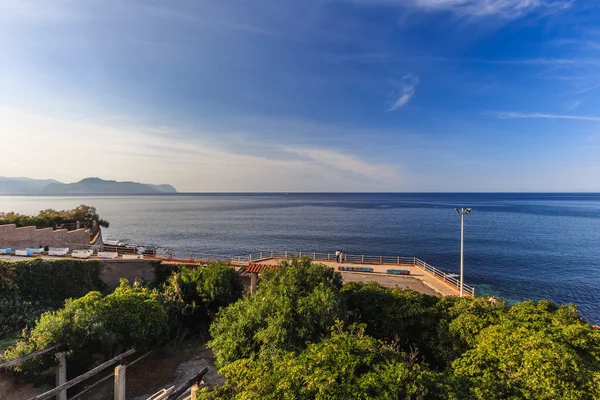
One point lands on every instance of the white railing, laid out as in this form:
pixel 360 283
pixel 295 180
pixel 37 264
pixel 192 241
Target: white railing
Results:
pixel 360 259
pixel 263 255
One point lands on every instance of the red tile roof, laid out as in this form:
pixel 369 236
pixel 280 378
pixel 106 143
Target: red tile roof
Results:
pixel 258 268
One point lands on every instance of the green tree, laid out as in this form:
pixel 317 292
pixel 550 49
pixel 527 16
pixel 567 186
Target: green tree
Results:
pixel 536 351
pixel 406 318
pixel 297 303
pixel 193 296
pixel 29 288
pixel 347 365
pixel 53 219
pixel 460 321
pixel 131 316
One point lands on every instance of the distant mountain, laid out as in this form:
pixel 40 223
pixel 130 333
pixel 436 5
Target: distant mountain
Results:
pixel 23 185
pixel 100 186
pixel 85 186
pixel 163 188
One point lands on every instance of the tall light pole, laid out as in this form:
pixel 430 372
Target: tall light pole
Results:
pixel 462 214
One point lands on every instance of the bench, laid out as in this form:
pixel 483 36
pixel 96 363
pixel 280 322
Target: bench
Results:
pixel 108 254
pixel 82 253
pixel 58 251
pixel 397 272
pixel 354 269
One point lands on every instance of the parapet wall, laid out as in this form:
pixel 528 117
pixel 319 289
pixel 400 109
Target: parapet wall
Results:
pixel 30 236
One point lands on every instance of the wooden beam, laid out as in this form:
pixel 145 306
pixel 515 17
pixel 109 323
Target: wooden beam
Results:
pixel 27 357
pixel 181 389
pixel 83 377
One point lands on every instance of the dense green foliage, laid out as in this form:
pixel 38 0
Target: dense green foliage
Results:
pixel 536 351
pixel 305 336
pixel 347 365
pixel 131 316
pixel 96 326
pixel 193 296
pixel 29 288
pixel 54 219
pixel 296 305
pixel 284 342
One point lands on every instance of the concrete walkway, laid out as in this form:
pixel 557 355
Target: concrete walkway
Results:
pixel 428 280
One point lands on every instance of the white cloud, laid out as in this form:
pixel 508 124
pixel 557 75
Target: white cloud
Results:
pixel 405 91
pixel 519 115
pixel 69 150
pixel 349 163
pixel 508 9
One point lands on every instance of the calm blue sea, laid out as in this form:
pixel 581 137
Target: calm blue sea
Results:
pixel 517 246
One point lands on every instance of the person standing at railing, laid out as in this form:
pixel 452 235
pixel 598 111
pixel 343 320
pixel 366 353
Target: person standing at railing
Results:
pixel 337 256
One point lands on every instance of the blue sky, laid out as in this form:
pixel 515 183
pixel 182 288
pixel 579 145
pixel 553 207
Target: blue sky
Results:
pixel 311 95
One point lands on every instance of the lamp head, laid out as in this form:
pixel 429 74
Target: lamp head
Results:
pixel 458 212
pixel 468 211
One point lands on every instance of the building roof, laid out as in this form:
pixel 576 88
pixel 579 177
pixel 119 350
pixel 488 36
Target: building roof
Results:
pixel 258 268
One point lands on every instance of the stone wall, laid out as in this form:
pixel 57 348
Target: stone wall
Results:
pixel 30 236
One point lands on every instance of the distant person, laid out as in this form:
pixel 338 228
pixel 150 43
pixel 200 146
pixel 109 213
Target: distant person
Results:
pixel 337 256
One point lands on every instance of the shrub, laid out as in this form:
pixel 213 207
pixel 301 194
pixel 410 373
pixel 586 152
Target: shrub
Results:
pixel 29 288
pixel 162 272
pixel 405 318
pixel 296 304
pixel 347 365
pixel 535 351
pixel 50 282
pixel 193 296
pixel 53 219
pixel 131 316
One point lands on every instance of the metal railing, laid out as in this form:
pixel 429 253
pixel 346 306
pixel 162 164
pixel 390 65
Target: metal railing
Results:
pixel 362 259
pixel 197 257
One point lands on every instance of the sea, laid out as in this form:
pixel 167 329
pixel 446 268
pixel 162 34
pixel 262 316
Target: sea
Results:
pixel 518 246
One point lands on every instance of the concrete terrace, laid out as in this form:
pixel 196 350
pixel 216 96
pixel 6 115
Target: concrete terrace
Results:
pixel 423 277
pixel 418 280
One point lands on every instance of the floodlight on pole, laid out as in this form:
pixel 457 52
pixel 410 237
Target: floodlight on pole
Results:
pixel 462 214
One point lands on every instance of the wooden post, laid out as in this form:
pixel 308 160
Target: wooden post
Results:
pixel 61 375
pixel 314 256
pixel 194 391
pixel 253 283
pixel 184 388
pixel 271 253
pixel 286 255
pixel 363 259
pixel 398 261
pixel 120 382
pixel 328 257
pixel 261 255
pixel 380 259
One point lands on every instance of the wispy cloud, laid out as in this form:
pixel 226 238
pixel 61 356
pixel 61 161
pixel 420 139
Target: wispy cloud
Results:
pixel 520 115
pixel 573 105
pixel 588 88
pixel 348 163
pixel 170 154
pixel 404 92
pixel 506 9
